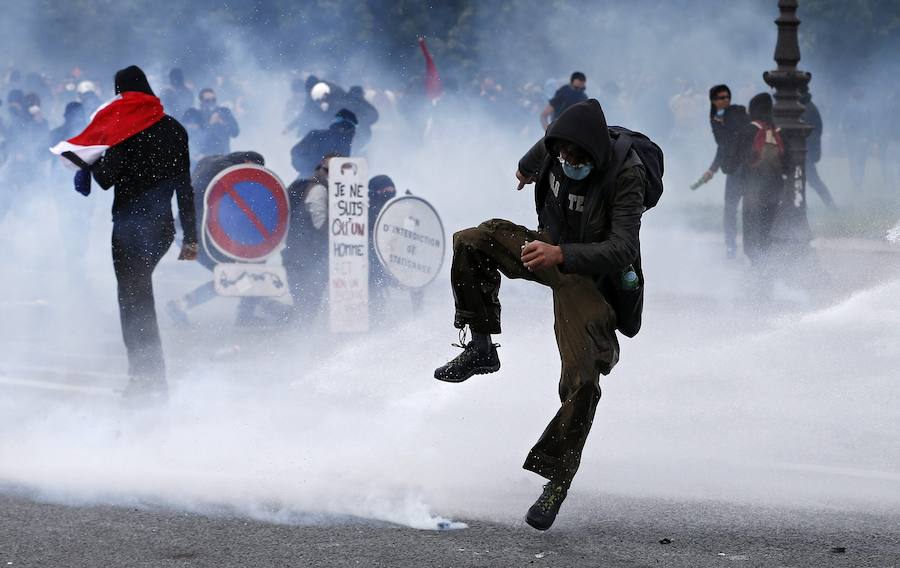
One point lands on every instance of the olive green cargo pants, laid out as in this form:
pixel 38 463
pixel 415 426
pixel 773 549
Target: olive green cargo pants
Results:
pixel 584 323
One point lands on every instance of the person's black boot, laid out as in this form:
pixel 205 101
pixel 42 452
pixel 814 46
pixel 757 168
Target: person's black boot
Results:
pixel 542 514
pixel 479 357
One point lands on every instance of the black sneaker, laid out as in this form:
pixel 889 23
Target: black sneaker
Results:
pixel 474 360
pixel 542 514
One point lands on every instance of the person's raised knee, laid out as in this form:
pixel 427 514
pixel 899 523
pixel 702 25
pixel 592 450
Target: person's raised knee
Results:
pixel 468 237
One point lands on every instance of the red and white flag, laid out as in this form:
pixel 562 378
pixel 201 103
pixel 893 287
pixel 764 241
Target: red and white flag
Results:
pixel 116 121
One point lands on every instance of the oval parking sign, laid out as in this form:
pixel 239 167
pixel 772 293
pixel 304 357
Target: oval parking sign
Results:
pixel 409 241
pixel 247 214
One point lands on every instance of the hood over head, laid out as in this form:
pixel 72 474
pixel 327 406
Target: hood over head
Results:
pixel 74 112
pixel 248 156
pixel 583 124
pixel 380 182
pixel 760 108
pixel 132 79
pixel 348 116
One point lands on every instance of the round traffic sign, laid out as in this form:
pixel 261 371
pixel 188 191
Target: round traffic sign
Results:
pixel 409 241
pixel 247 214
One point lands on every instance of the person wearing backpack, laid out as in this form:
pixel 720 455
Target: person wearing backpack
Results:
pixel 763 174
pixel 591 188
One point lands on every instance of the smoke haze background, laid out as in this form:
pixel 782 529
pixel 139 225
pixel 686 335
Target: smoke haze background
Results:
pixel 717 398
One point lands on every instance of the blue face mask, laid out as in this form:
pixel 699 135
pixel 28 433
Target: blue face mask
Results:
pixel 576 172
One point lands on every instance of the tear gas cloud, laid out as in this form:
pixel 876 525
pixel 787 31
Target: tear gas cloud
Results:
pixel 719 397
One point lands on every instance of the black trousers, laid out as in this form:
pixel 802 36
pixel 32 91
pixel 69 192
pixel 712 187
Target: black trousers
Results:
pixel 734 190
pixel 136 250
pixel 585 327
pixel 814 181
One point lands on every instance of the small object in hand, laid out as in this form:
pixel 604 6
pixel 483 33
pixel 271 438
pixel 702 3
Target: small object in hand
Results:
pixel 83 182
pixel 838 549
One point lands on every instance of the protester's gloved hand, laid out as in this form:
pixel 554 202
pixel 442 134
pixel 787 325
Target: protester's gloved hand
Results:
pixel 83 182
pixel 189 251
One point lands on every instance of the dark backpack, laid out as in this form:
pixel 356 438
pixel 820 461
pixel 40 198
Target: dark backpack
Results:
pixel 629 304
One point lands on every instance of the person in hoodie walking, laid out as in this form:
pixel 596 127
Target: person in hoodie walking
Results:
pixel 133 145
pixel 813 117
pixel 583 235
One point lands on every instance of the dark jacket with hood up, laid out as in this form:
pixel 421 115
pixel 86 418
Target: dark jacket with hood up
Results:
pixel 147 169
pixel 607 240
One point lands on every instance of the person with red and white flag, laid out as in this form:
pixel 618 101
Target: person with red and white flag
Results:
pixel 133 145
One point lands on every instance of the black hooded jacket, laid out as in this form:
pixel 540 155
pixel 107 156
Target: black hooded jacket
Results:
pixel 812 117
pixel 147 169
pixel 607 237
pixel 727 132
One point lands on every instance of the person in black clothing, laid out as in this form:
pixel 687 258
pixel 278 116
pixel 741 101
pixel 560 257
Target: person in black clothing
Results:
pixel 337 139
pixel 146 169
pixel 365 113
pixel 726 121
pixel 565 96
pixel 305 255
pixel 381 190
pixel 218 125
pixel 177 97
pixel 583 238
pixel 762 173
pixel 812 117
pixel 207 169
pixel 74 121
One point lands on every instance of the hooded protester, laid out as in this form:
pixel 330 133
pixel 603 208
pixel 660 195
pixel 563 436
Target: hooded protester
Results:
pixel 589 212
pixel 35 129
pixel 305 254
pixel 132 145
pixel 87 96
pixel 207 169
pixel 381 190
pixel 763 149
pixel 337 139
pixel 177 97
pixel 812 117
pixel 366 115
pixel 74 121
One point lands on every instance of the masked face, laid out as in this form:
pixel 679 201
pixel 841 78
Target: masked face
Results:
pixel 576 172
pixel 377 199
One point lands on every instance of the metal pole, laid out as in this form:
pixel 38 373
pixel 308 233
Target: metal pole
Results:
pixel 791 229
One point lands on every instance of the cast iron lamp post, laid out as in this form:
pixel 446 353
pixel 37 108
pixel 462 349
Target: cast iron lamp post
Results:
pixel 791 231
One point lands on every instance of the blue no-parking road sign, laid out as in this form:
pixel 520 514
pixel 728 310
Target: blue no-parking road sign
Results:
pixel 247 213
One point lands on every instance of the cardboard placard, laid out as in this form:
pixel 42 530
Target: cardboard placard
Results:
pixel 348 245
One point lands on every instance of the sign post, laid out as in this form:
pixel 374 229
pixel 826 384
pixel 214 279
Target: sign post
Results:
pixel 348 245
pixel 245 219
pixel 409 241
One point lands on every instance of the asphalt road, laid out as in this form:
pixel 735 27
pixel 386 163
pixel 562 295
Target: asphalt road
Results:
pixel 599 531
